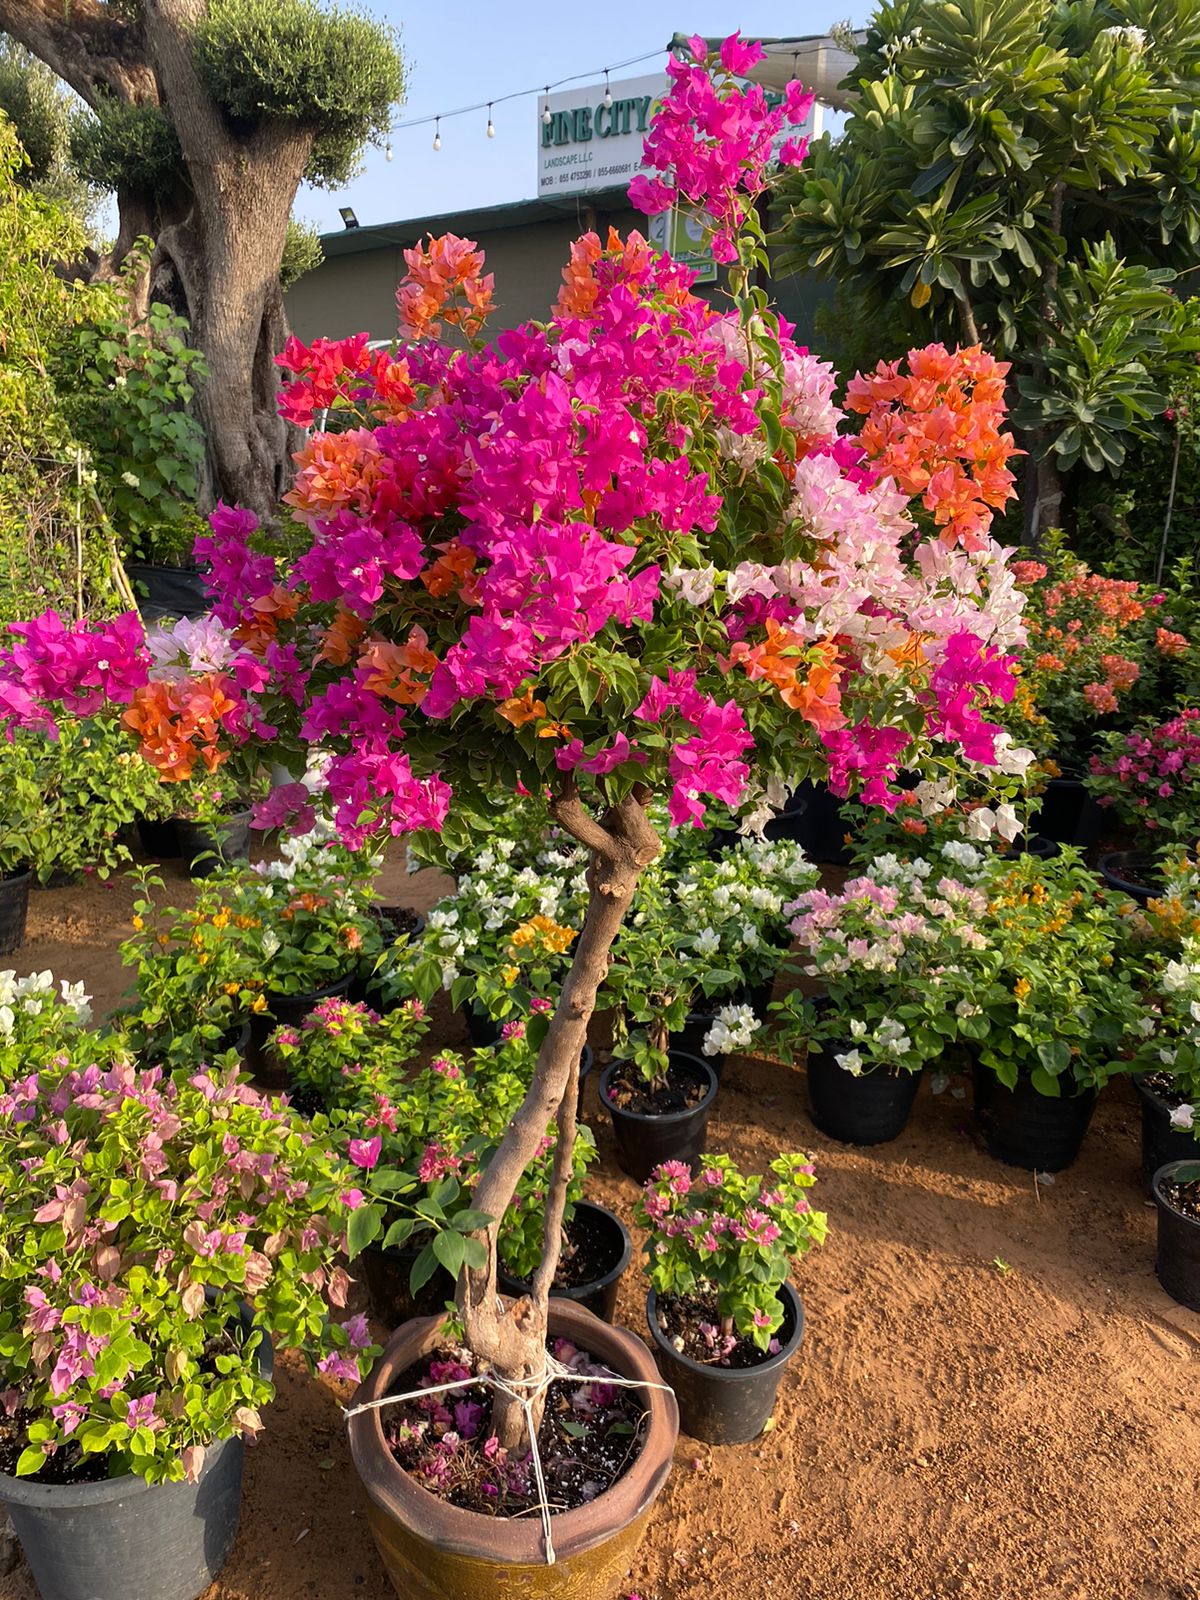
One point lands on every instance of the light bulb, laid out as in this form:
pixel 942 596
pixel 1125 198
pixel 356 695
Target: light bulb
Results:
pixel 547 114
pixel 491 131
pixel 437 135
pixel 607 101
pixel 387 154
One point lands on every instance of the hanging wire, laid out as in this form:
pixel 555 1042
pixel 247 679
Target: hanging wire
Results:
pixel 521 94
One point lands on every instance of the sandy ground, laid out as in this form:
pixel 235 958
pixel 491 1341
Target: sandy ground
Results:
pixel 994 1399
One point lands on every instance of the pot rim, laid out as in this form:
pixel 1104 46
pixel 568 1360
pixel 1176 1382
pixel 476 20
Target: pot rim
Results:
pixel 579 1290
pixel 14 880
pixel 787 1291
pixel 663 1119
pixel 1163 1176
pixel 327 993
pixel 80 1496
pixel 1138 1079
pixel 470 1533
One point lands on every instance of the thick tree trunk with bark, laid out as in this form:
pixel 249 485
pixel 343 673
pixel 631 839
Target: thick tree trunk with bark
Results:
pixel 512 1340
pixel 219 238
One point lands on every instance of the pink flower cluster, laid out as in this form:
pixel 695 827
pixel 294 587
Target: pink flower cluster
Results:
pixel 1151 777
pixel 712 141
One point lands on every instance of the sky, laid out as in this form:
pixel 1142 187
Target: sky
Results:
pixel 461 52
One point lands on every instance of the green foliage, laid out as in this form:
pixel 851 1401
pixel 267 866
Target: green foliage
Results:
pixel 30 97
pixel 1027 173
pixel 121 146
pixel 302 252
pixel 337 72
pixel 68 800
pixel 127 393
pixel 55 547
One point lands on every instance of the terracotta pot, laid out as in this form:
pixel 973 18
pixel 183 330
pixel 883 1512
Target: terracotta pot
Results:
pixel 436 1551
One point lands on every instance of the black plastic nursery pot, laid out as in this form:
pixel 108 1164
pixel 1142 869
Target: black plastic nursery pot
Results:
pixel 726 1405
pixel 1069 815
pixel 386 1274
pixel 690 1041
pixel 1132 872
pixel 437 1551
pixel 208 846
pixel 1022 1128
pixel 872 1108
pixel 159 840
pixel 482 1030
pixel 168 591
pixel 644 1140
pixel 816 820
pixel 14 910
pixel 1161 1142
pixel 126 1539
pixel 1177 1262
pixel 611 1242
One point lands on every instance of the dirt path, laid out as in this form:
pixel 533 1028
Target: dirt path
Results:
pixel 951 1427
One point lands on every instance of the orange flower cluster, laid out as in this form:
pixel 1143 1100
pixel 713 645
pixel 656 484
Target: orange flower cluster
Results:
pixel 936 431
pixel 631 262
pixel 179 724
pixel 781 658
pixel 1168 643
pixel 335 472
pixel 451 569
pixel 400 672
pixel 445 283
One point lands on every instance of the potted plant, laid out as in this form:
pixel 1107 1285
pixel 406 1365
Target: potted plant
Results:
pixel 1161 954
pixel 1044 1007
pixel 38 1020
pixel 195 985
pixel 1150 781
pixel 590 574
pixel 70 799
pixel 883 950
pixel 1175 1188
pixel 343 1052
pixel 504 937
pixel 1089 641
pixel 157 1237
pixel 724 1319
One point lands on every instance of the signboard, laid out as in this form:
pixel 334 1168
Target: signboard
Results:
pixel 681 234
pixel 587 145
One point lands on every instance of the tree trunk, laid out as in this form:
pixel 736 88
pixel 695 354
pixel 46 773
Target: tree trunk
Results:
pixel 512 1341
pixel 1043 494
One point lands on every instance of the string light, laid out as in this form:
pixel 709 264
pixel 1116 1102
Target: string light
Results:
pixel 547 115
pixel 491 130
pixel 607 101
pixel 437 133
pixel 387 152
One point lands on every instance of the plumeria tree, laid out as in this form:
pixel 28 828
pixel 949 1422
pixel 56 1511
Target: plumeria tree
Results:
pixel 622 553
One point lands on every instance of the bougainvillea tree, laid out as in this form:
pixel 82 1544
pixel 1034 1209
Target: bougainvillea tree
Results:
pixel 627 552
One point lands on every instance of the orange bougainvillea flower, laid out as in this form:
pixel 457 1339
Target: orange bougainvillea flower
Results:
pixel 446 283
pixel 522 709
pixel 342 634
pixel 449 570
pixel 180 724
pixel 910 654
pixel 335 472
pixel 936 431
pixel 780 659
pixel 555 730
pixel 400 672
pixel 267 612
pixel 618 261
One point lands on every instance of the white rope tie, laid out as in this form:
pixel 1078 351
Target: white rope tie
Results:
pixel 553 1372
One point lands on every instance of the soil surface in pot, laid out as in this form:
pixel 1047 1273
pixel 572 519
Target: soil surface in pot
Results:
pixel 1165 1087
pixel 1182 1197
pixel 692 1323
pixel 951 1427
pixel 590 1434
pixel 587 1252
pixel 395 920
pixel 684 1090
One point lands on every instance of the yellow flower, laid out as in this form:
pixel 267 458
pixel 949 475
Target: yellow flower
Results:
pixel 231 988
pixel 510 975
pixel 139 923
pixel 1021 988
pixel 259 1003
pixel 221 920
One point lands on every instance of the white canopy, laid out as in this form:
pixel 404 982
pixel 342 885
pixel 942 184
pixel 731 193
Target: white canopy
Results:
pixel 815 59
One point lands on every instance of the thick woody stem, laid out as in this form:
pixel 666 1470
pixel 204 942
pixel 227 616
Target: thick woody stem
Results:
pixel 512 1339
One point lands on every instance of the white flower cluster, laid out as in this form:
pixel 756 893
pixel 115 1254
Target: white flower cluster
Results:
pixel 733 1029
pixel 1132 38
pixel 889 1043
pixel 29 996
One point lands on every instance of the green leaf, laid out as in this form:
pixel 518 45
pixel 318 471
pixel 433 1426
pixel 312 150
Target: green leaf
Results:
pixel 363 1227
pixel 448 1248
